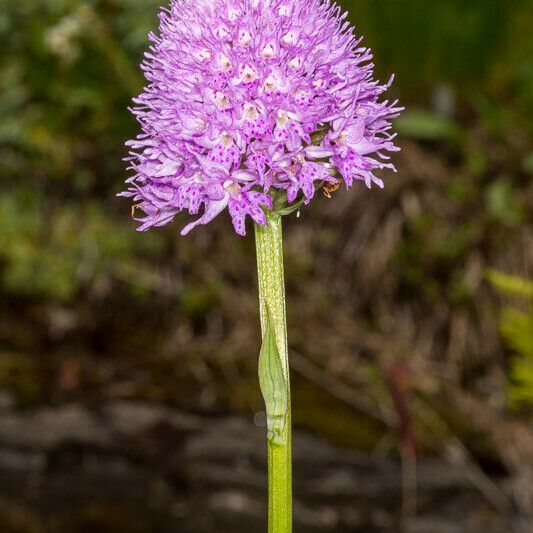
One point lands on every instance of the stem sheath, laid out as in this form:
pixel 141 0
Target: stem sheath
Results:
pixel 269 243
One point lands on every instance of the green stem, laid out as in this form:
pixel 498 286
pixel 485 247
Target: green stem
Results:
pixel 269 242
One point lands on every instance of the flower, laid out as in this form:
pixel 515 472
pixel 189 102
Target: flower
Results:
pixel 250 99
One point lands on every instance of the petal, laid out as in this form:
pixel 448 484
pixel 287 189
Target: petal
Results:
pixel 318 152
pixel 212 210
pixel 248 203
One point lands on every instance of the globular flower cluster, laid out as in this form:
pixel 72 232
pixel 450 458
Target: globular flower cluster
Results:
pixel 248 100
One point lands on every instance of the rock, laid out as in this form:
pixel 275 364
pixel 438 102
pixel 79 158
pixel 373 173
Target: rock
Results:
pixel 144 467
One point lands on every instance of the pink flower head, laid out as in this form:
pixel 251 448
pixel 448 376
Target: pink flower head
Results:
pixel 250 99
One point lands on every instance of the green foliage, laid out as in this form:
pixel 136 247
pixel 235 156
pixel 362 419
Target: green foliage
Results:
pixel 67 74
pixel 426 126
pixel 458 42
pixel 52 253
pixel 503 203
pixel 516 327
pixel 512 285
pixel 69 69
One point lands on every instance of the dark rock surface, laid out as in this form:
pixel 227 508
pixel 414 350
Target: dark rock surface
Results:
pixel 136 467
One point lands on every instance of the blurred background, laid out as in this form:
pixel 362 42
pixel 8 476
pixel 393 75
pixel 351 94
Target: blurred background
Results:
pixel 128 392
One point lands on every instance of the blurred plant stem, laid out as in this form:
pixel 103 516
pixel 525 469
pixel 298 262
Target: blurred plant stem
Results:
pixel 274 372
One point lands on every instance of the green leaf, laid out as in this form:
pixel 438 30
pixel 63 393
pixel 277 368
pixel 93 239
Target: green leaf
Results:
pixel 508 284
pixel 273 385
pixel 516 327
pixel 503 203
pixel 426 126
